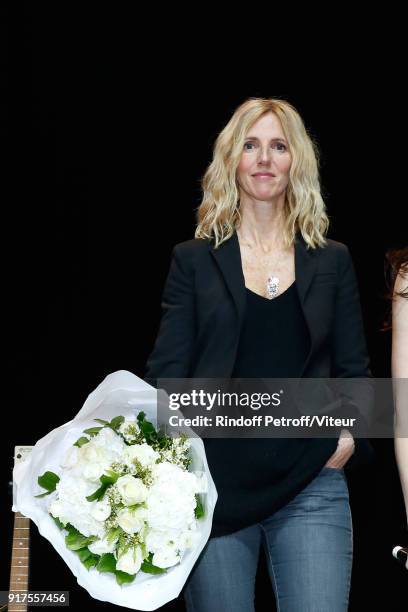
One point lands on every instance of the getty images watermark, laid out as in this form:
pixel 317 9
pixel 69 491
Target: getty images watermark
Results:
pixel 282 407
pixel 255 401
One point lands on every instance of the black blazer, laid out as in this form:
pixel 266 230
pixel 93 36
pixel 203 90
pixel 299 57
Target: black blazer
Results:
pixel 203 306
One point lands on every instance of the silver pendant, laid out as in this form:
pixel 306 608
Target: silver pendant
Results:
pixel 272 286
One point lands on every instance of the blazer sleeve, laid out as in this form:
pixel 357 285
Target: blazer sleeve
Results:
pixel 350 360
pixel 349 355
pixel 174 345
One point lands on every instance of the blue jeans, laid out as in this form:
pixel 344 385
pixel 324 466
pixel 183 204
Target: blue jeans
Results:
pixel 309 550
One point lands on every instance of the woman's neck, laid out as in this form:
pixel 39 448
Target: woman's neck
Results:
pixel 261 225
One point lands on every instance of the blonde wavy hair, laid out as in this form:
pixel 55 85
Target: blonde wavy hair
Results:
pixel 218 214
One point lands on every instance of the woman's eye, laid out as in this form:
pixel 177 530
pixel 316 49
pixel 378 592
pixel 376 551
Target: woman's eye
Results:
pixel 277 144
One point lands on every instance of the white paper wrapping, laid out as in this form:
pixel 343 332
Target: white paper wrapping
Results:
pixel 120 393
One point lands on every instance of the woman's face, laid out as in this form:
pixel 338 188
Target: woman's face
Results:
pixel 265 153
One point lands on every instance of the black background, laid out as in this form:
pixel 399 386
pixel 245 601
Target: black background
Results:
pixel 107 137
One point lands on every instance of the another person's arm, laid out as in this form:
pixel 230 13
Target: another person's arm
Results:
pixel 400 371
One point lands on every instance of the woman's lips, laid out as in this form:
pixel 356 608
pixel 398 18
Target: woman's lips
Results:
pixel 263 176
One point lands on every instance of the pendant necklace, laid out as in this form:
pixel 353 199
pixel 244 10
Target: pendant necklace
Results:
pixel 272 283
pixel 272 286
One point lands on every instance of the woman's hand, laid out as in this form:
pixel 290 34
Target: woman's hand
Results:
pixel 343 452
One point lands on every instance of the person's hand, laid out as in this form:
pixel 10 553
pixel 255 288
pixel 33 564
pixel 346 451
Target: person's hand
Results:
pixel 343 452
pixel 406 563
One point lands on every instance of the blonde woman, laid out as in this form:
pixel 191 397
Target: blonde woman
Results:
pixel 398 261
pixel 260 292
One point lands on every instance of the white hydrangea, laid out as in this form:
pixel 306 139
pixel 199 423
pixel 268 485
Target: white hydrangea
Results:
pixel 166 556
pixel 169 546
pixel 166 473
pixel 171 499
pixel 96 456
pixel 73 507
pixel 101 510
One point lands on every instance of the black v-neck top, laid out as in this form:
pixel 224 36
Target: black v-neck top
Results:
pixel 274 340
pixel 255 477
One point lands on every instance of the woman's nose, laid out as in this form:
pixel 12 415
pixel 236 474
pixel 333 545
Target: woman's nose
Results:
pixel 264 154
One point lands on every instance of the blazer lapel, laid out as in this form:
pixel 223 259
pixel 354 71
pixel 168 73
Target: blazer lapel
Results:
pixel 228 258
pixel 305 266
pixel 305 269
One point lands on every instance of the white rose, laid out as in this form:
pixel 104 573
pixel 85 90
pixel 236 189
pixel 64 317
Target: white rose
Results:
pixel 131 521
pixel 88 453
pixel 131 489
pixel 102 546
pixel 130 561
pixel 101 510
pixel 144 453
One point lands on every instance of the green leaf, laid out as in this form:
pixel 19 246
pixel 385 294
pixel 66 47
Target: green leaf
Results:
pixel 106 480
pixel 75 540
pixel 113 534
pixel 48 481
pixel 102 421
pixel 83 554
pixel 92 561
pixel 199 509
pixel 110 477
pixel 107 563
pixel 148 567
pixel 87 558
pixel 147 429
pixel 116 422
pixel 98 494
pixel 57 522
pixel 92 431
pixel 123 577
pixel 81 441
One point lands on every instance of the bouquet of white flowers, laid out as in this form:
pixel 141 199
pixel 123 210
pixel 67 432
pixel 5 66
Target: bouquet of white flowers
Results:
pixel 127 507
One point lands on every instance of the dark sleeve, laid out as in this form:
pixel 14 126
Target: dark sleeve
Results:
pixel 173 348
pixel 350 360
pixel 349 355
